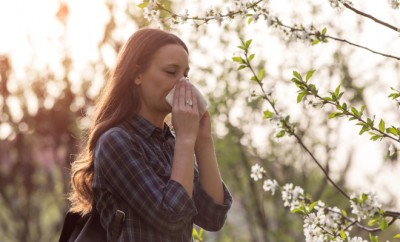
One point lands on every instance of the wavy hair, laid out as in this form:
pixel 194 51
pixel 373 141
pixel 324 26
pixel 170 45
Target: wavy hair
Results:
pixel 119 100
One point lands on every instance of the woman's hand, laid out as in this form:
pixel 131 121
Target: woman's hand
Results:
pixel 185 114
pixel 204 127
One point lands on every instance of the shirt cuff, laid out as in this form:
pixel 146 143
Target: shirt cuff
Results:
pixel 212 215
pixel 179 203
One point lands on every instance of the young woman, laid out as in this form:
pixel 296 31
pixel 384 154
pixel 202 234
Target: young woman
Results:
pixel 164 181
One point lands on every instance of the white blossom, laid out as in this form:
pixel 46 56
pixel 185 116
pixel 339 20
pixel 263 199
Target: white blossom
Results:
pixel 150 13
pixel 310 101
pixel 185 15
pixel 252 96
pixel 357 239
pixel 255 17
pixel 291 196
pixel 218 18
pixel 392 150
pixel 335 3
pixel 395 4
pixel 270 185
pixel 324 221
pixel 364 208
pixel 257 172
pixel 270 21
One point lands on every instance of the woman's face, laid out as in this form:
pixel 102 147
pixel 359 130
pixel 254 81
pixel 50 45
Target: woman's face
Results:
pixel 167 66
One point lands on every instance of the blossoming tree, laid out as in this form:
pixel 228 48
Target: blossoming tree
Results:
pixel 322 222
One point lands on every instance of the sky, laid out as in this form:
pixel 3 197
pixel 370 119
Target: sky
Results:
pixel 31 34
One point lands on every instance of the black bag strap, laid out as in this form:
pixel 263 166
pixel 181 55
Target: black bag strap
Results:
pixel 70 222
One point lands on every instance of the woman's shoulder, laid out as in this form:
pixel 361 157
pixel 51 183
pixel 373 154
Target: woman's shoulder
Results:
pixel 116 134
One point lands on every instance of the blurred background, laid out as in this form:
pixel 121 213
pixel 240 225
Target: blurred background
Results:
pixel 55 56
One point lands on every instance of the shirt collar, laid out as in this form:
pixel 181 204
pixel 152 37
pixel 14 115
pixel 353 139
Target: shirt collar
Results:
pixel 147 129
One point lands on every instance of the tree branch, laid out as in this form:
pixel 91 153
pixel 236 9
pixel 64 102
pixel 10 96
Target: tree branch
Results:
pixel 371 17
pixel 290 128
pixel 317 34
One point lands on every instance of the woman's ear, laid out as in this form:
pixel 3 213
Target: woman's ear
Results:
pixel 138 80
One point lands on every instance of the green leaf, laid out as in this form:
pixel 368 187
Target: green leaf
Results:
pixel 392 130
pixel 201 233
pixel 248 43
pixel 143 4
pixel 370 122
pixel 324 31
pixel 268 114
pixel 383 224
pixel 250 20
pixel 343 234
pixel 375 137
pixel 313 89
pixel 280 134
pixel 311 207
pixel 344 106
pixel 340 95
pixel 297 75
pixel 337 90
pixel 298 210
pixel 299 84
pixel 251 57
pixel 238 59
pixel 344 213
pixel 355 112
pixel 364 197
pixel 382 126
pixel 362 109
pixel 334 115
pixel 315 41
pixel 300 97
pixel 373 238
pixel 261 74
pixel 241 67
pixel 394 95
pixel 373 221
pixel 195 234
pixel 397 236
pixel 364 129
pixel 309 74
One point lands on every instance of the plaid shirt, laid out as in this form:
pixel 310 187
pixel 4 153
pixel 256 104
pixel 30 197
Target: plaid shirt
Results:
pixel 132 168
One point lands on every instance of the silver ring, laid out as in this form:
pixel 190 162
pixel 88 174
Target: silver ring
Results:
pixel 189 102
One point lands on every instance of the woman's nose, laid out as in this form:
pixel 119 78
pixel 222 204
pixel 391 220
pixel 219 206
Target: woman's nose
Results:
pixel 183 78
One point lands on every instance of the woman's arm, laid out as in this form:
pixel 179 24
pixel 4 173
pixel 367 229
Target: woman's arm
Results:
pixel 210 177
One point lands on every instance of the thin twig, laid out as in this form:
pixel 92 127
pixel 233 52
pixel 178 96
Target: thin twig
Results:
pixel 363 47
pixel 294 29
pixel 371 17
pixel 299 140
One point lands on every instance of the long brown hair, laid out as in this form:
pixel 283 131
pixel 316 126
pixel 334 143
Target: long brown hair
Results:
pixel 120 100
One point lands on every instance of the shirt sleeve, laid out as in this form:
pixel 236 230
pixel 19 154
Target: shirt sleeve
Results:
pixel 122 162
pixel 211 216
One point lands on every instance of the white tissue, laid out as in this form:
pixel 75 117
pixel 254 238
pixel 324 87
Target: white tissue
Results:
pixel 201 100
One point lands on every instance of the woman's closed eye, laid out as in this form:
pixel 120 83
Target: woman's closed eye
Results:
pixel 173 73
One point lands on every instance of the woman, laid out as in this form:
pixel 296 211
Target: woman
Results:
pixel 164 182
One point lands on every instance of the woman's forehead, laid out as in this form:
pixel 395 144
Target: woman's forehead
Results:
pixel 172 54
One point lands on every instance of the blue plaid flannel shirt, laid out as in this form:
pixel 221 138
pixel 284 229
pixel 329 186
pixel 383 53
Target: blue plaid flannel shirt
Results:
pixel 132 168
